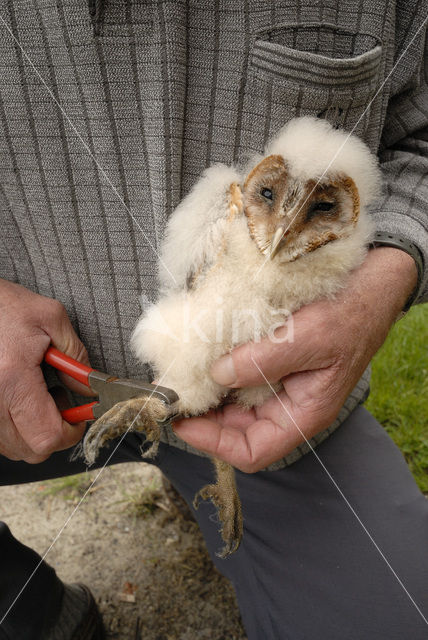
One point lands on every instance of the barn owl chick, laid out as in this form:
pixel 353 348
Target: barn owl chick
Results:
pixel 243 250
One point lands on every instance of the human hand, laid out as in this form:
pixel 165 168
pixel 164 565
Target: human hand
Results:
pixel 334 340
pixel 31 427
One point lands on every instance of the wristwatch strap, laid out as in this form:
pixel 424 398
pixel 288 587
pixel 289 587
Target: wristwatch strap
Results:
pixel 382 239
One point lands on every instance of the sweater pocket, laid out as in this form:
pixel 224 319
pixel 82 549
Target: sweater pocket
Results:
pixel 312 69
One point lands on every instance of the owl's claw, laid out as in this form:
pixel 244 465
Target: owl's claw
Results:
pixel 225 498
pixel 136 414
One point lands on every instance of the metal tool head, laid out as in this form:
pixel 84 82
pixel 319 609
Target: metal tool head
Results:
pixel 112 390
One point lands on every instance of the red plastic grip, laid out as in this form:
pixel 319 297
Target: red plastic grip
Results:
pixel 79 414
pixel 76 370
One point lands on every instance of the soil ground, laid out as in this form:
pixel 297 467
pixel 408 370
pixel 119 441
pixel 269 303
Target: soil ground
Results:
pixel 145 563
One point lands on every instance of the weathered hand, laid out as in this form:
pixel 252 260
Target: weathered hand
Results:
pixel 31 427
pixel 334 340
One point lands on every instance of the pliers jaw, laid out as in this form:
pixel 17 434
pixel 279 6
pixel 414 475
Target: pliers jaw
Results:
pixel 112 390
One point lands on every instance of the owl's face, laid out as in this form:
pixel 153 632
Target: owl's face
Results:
pixel 288 217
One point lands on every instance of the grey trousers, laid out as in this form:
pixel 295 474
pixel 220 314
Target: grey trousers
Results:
pixel 308 567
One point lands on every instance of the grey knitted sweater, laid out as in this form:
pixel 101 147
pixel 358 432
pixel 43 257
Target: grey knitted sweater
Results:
pixel 110 112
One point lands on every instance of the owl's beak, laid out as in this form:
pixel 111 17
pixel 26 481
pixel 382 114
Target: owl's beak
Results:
pixel 276 241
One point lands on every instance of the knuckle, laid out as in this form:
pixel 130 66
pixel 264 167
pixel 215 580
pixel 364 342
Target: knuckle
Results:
pixel 7 367
pixel 11 455
pixel 74 348
pixel 338 364
pixel 57 308
pixel 44 444
pixel 35 458
pixel 250 467
pixel 81 352
pixel 249 363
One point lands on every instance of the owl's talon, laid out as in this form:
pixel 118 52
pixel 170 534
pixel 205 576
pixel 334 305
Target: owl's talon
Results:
pixel 136 414
pixel 225 498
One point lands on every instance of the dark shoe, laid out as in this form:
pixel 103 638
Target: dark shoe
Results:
pixel 78 617
pixel 78 604
pixel 91 627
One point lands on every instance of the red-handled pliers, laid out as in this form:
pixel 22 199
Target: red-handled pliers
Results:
pixel 110 389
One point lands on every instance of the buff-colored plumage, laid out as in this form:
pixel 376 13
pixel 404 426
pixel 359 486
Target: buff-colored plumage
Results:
pixel 244 249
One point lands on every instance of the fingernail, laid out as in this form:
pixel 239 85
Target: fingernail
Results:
pixel 223 371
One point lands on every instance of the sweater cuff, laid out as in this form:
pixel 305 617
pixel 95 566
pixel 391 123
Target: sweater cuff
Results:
pixel 399 231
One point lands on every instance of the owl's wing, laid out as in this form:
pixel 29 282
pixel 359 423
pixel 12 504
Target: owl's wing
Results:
pixel 195 230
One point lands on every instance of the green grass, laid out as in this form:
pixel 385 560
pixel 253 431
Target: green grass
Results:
pixel 70 488
pixel 399 390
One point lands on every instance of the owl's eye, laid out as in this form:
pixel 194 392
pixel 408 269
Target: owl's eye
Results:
pixel 323 206
pixel 319 208
pixel 266 193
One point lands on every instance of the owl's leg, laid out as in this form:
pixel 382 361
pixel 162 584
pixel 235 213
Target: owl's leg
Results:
pixel 136 414
pixel 224 496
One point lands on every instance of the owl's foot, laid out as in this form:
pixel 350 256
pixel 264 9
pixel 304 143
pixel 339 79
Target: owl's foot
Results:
pixel 136 414
pixel 224 495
